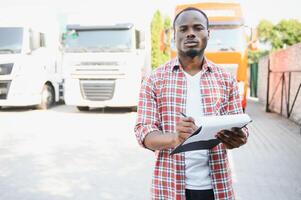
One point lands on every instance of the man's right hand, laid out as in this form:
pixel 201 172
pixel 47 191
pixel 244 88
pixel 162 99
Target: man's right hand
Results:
pixel 185 127
pixel 156 140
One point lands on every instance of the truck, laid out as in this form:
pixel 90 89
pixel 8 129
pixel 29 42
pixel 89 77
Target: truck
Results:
pixel 104 65
pixel 228 45
pixel 30 66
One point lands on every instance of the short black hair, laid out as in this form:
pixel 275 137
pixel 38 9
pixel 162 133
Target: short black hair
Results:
pixel 188 9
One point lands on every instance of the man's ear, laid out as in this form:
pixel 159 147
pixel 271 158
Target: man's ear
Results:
pixel 174 33
pixel 208 34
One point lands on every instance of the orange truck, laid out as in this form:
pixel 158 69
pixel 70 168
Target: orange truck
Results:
pixel 227 46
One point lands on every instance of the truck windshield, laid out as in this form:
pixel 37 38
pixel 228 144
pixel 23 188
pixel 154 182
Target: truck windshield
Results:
pixel 226 39
pixel 98 41
pixel 11 40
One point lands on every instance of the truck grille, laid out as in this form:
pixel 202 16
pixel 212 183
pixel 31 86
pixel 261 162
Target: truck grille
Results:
pixel 98 70
pixel 97 90
pixel 4 88
pixel 107 63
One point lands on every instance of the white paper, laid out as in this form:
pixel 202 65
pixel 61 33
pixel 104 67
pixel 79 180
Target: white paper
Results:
pixel 211 125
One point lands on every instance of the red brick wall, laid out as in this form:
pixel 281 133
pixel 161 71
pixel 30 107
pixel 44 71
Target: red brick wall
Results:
pixel 288 59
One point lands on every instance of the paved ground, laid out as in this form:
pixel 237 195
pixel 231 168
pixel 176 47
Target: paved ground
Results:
pixel 63 154
pixel 268 167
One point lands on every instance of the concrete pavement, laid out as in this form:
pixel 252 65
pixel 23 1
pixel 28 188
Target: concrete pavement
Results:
pixel 268 167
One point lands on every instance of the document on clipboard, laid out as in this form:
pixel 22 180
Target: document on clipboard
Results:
pixel 204 136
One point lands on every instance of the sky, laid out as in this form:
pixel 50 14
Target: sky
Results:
pixel 142 10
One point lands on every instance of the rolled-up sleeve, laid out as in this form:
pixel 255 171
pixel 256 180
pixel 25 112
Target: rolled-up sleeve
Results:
pixel 147 114
pixel 234 103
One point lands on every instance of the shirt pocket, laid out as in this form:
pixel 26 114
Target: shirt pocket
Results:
pixel 214 101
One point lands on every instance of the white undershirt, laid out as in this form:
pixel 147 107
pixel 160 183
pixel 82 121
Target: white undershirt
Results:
pixel 197 172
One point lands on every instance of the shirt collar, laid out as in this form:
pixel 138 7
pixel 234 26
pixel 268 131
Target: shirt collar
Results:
pixel 175 64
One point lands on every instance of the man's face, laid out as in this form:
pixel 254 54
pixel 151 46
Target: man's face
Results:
pixel 191 33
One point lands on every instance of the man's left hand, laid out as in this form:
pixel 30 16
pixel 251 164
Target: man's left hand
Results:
pixel 233 138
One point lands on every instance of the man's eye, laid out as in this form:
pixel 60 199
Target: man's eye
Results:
pixel 182 29
pixel 199 28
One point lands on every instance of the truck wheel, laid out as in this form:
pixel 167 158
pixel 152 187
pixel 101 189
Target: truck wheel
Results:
pixel 83 108
pixel 47 98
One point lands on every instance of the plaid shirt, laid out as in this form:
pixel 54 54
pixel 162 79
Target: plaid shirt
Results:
pixel 162 97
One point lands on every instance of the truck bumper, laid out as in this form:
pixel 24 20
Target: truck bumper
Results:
pixel 125 93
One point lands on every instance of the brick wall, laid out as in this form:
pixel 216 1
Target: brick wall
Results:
pixel 288 59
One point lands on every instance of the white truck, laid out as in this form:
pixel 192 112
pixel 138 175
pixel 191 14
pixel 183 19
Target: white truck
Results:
pixel 104 65
pixel 30 66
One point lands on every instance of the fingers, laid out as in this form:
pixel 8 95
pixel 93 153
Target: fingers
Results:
pixel 183 136
pixel 188 119
pixel 185 127
pixel 232 139
pixel 186 124
pixel 238 131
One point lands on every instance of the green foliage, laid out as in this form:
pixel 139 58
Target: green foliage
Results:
pixel 157 27
pixel 265 29
pixel 254 56
pixel 167 22
pixel 167 28
pixel 285 33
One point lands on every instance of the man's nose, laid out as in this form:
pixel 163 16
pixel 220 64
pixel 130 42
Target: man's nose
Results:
pixel 190 33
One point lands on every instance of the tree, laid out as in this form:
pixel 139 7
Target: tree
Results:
pixel 254 56
pixel 156 29
pixel 160 39
pixel 166 49
pixel 265 29
pixel 286 32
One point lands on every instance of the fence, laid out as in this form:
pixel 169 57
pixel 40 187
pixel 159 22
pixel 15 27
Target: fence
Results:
pixel 279 79
pixel 285 80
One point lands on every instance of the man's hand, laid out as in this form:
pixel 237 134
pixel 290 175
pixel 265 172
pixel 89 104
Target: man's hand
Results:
pixel 233 138
pixel 185 127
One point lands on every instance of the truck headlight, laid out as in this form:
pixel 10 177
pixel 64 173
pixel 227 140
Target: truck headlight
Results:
pixel 6 69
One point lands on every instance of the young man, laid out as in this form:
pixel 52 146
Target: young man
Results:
pixel 193 85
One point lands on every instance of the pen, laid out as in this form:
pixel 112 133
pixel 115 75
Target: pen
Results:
pixel 183 114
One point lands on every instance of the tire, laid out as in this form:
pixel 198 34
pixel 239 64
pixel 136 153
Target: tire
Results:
pixel 82 108
pixel 47 97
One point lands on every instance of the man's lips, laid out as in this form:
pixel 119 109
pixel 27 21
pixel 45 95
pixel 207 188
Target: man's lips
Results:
pixel 191 43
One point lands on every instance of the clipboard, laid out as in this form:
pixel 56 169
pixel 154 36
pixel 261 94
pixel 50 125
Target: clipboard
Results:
pixel 199 145
pixel 204 136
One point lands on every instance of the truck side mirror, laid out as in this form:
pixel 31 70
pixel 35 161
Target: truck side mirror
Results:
pixel 253 39
pixel 140 40
pixel 252 35
pixel 28 44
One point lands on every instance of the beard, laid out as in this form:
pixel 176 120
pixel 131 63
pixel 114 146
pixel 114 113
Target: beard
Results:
pixel 192 53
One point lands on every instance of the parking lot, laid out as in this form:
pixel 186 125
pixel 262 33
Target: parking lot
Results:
pixel 64 154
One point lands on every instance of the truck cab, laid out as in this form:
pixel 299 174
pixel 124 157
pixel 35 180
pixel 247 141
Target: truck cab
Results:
pixel 104 65
pixel 29 67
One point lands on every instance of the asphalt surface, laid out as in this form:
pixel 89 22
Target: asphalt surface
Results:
pixel 64 154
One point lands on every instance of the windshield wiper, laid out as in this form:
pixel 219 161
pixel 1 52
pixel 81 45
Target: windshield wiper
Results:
pixel 7 50
pixel 227 49
pixel 107 49
pixel 76 49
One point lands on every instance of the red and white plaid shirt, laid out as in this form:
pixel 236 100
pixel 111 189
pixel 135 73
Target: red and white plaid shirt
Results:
pixel 162 97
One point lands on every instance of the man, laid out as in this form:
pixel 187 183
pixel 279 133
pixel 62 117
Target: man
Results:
pixel 193 85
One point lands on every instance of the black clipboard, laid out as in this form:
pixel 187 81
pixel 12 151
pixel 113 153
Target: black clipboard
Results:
pixel 199 145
